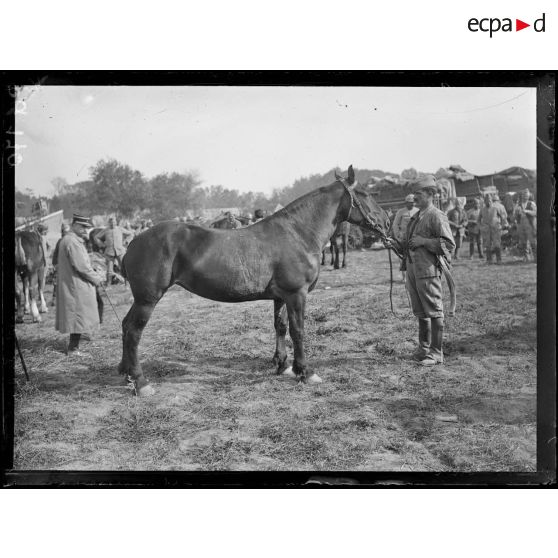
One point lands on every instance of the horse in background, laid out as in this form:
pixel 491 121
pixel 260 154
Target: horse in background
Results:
pixel 30 267
pixel 339 240
pixel 277 258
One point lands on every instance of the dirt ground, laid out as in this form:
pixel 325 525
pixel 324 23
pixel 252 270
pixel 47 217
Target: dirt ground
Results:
pixel 219 406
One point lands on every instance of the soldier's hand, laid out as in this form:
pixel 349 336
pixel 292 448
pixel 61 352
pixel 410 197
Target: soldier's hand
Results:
pixel 416 242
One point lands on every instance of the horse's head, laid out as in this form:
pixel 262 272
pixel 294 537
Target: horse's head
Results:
pixel 361 208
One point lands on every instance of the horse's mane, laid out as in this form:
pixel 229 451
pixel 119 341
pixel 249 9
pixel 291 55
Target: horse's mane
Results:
pixel 302 202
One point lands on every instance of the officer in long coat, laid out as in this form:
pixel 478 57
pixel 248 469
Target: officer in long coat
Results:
pixel 76 304
pixel 428 239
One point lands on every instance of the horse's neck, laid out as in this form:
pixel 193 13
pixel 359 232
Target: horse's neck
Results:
pixel 315 216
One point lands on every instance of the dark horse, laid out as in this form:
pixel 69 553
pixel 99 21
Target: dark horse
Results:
pixel 30 266
pixel 339 239
pixel 276 259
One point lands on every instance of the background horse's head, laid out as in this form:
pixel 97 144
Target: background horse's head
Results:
pixel 360 206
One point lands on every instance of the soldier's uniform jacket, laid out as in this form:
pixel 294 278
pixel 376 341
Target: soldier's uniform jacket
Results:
pixel 114 240
pixel 432 225
pixel 523 218
pixel 494 216
pixel 76 303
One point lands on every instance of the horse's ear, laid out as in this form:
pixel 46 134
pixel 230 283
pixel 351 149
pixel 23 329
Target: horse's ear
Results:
pixel 338 176
pixel 351 175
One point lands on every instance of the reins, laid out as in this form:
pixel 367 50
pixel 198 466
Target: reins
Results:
pixel 383 237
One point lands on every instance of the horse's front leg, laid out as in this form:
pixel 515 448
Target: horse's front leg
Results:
pixel 336 264
pixel 25 282
pixel 296 304
pixel 345 245
pixel 20 301
pixel 33 290
pixel 280 324
pixel 42 279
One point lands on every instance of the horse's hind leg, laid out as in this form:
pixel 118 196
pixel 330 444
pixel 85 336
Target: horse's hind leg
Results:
pixel 280 322
pixel 344 245
pixel 132 328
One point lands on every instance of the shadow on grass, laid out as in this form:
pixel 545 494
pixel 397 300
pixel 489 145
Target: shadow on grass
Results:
pixel 502 339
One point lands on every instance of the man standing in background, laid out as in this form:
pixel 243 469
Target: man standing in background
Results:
pixel 525 215
pixel 492 220
pixel 458 221
pixel 473 229
pixel 112 238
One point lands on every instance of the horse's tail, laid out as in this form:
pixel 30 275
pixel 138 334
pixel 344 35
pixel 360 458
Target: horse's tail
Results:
pixel 20 258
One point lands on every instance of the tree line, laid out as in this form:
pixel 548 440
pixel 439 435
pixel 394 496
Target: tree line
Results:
pixel 116 188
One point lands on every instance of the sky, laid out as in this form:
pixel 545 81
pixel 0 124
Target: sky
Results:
pixel 261 138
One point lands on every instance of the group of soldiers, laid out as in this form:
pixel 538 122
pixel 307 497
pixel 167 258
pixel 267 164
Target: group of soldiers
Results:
pixel 485 225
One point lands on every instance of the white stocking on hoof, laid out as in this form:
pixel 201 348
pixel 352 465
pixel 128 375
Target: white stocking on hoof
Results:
pixel 35 312
pixel 314 379
pixel 288 372
pixel 146 391
pixel 44 307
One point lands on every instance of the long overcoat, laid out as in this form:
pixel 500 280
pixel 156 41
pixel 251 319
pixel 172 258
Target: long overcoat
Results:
pixel 76 303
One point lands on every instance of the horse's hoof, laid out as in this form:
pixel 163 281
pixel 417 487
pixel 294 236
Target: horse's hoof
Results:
pixel 37 320
pixel 146 391
pixel 288 372
pixel 314 379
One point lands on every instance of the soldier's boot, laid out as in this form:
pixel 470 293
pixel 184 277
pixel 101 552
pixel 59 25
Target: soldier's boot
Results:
pixel 435 355
pixel 424 337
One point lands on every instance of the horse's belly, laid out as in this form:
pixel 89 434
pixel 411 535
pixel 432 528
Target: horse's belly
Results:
pixel 229 281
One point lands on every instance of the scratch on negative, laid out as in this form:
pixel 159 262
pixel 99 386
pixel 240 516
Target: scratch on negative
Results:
pixel 544 144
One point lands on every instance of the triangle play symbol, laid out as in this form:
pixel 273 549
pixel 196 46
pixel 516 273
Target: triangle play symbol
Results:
pixel 519 25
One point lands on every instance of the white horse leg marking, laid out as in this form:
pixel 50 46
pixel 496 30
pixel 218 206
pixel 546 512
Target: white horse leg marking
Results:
pixel 44 308
pixel 288 372
pixel 35 312
pixel 314 379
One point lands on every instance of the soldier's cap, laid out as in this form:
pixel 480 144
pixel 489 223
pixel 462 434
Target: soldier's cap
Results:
pixel 410 198
pixel 81 220
pixel 426 183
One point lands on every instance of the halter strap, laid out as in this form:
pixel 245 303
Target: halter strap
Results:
pixel 356 202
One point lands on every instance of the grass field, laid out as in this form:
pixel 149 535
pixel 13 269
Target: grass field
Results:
pixel 219 406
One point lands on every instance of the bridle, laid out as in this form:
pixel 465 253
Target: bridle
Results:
pixel 376 228
pixel 389 243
